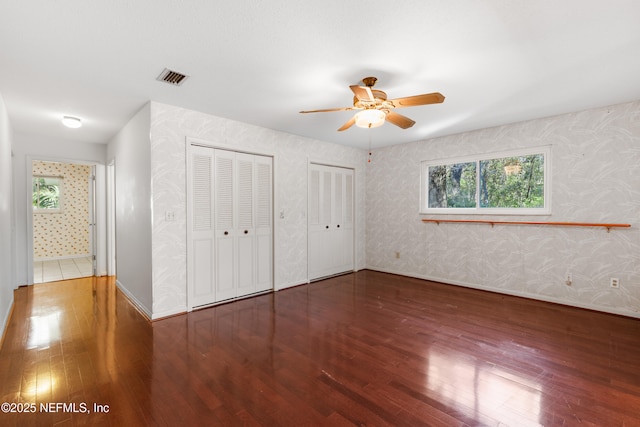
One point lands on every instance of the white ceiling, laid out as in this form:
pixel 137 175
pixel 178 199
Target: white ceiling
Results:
pixel 260 62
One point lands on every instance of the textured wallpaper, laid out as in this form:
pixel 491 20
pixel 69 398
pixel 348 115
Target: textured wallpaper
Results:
pixel 65 233
pixel 595 177
pixel 170 129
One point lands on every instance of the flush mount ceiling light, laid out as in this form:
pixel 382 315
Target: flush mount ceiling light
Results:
pixel 370 118
pixel 71 122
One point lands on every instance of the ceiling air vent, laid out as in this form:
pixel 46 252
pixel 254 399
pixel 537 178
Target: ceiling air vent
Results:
pixel 172 77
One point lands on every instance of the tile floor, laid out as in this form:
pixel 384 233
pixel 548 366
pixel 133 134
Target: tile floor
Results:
pixel 63 269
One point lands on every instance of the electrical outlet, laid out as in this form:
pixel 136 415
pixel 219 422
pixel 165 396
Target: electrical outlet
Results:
pixel 569 280
pixel 614 283
pixel 169 216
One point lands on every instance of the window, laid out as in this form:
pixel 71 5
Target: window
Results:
pixel 47 194
pixel 499 183
pixel 452 185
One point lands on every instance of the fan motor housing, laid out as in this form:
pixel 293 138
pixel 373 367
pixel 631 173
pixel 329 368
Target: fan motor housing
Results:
pixel 379 96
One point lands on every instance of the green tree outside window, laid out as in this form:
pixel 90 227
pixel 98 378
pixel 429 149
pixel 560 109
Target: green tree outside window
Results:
pixel 511 183
pixel 46 193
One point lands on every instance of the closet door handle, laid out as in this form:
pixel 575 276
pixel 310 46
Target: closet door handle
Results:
pixel 246 231
pixel 327 227
pixel 338 225
pixel 226 233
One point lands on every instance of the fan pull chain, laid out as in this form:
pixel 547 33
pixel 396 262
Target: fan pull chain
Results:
pixel 369 160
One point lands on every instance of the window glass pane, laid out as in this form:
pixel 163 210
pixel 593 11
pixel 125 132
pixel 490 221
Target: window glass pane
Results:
pixel 512 182
pixel 452 186
pixel 46 192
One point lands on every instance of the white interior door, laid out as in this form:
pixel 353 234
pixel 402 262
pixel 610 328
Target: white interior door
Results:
pixel 342 239
pixel 263 202
pixel 330 224
pixel 200 227
pixel 225 225
pixel 319 210
pixel 231 255
pixel 245 240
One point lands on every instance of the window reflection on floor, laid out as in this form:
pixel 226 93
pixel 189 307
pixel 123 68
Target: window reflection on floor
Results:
pixel 484 392
pixel 44 330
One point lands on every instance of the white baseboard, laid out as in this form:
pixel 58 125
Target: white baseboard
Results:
pixel 144 310
pixel 58 258
pixel 291 285
pixel 511 292
pixel 170 313
pixel 5 320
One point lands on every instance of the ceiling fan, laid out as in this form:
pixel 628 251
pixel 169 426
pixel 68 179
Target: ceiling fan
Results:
pixel 375 108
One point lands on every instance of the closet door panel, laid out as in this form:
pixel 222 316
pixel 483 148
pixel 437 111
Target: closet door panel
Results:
pixel 230 251
pixel 201 289
pixel 246 265
pixel 326 220
pixel 345 251
pixel 320 223
pixel 336 238
pixel 245 232
pixel 225 223
pixel 225 266
pixel 263 267
pixel 330 220
pixel 264 223
pixel 203 274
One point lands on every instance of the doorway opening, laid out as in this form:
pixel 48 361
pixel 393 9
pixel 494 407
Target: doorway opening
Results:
pixel 63 220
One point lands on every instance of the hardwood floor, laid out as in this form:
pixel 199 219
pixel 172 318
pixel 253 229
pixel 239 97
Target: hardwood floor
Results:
pixel 361 349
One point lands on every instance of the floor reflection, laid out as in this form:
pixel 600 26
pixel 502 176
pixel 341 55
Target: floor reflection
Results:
pixel 485 392
pixel 361 349
pixel 44 330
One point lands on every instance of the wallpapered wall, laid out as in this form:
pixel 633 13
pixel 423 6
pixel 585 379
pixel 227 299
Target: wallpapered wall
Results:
pixel 66 233
pixel 170 128
pixel 595 171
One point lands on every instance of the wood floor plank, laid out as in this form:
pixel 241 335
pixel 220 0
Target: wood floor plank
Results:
pixel 361 349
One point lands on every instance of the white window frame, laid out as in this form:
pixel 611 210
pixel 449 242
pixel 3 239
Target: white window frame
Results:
pixel 424 184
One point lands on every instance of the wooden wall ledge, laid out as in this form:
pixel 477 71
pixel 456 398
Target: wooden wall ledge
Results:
pixel 544 223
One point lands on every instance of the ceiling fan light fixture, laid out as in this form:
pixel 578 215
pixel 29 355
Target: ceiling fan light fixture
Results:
pixel 71 122
pixel 371 118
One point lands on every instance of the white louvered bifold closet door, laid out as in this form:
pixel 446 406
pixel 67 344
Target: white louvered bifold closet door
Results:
pixel 231 250
pixel 263 223
pixel 225 225
pixel 200 224
pixel 245 241
pixel 330 220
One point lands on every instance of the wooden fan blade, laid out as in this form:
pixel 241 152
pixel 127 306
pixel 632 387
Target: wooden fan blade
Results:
pixel 412 101
pixel 327 110
pixel 347 125
pixel 400 120
pixel 363 93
